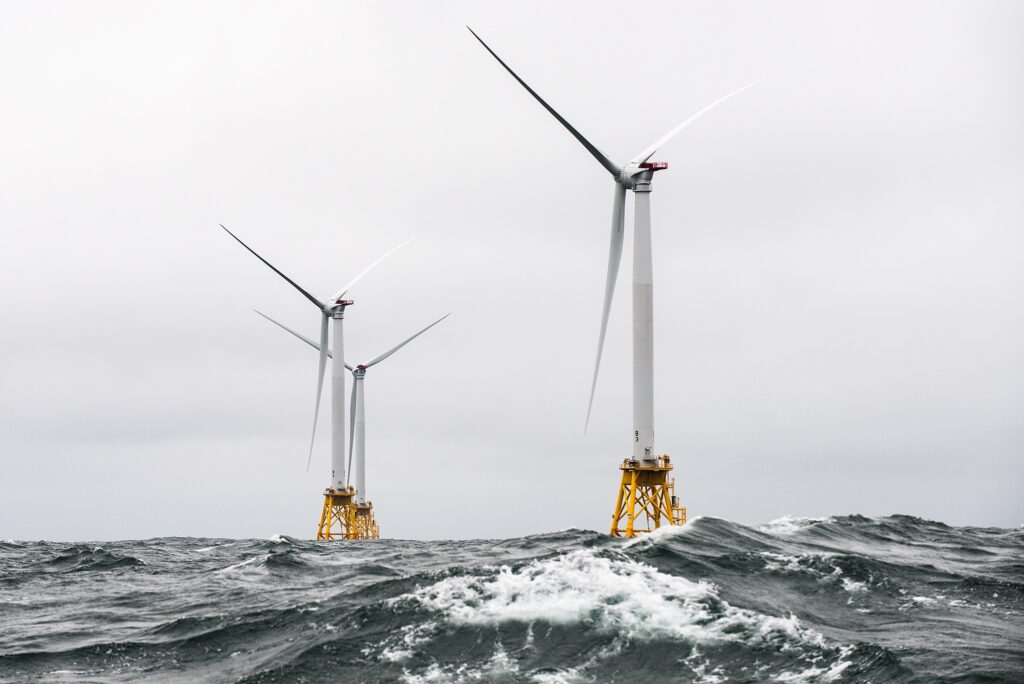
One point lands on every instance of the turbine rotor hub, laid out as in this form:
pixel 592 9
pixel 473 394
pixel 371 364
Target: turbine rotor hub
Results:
pixel 338 308
pixel 633 173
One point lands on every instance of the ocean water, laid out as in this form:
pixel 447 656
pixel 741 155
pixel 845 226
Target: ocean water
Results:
pixel 843 599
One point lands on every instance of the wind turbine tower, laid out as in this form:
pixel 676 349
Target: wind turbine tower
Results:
pixel 645 498
pixel 337 515
pixel 362 522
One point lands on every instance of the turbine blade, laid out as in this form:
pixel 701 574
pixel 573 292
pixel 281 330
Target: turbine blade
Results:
pixel 598 155
pixel 646 154
pixel 308 296
pixel 614 258
pixel 351 429
pixel 342 291
pixel 305 339
pixel 377 359
pixel 319 382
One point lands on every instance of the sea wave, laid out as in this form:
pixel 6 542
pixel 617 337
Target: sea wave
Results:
pixel 86 558
pixel 837 598
pixel 616 595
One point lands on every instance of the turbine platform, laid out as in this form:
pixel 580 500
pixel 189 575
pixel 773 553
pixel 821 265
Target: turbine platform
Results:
pixel 342 517
pixel 647 496
pixel 336 515
pixel 364 526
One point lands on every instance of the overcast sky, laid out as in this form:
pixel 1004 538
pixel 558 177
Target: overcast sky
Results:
pixel 838 260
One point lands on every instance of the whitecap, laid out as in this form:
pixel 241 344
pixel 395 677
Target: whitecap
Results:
pixel 789 524
pixel 804 563
pixel 662 532
pixel 781 562
pixel 615 595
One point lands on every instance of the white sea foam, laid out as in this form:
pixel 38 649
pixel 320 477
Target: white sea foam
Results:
pixel 819 672
pixel 500 667
pixel 663 532
pixel 565 676
pixel 851 585
pixel 781 562
pixel 789 524
pixel 806 563
pixel 701 668
pixel 396 651
pixel 236 566
pixel 500 663
pixel 434 673
pixel 614 595
pixel 528 644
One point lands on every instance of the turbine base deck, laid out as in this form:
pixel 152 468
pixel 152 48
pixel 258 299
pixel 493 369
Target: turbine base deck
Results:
pixel 343 518
pixel 646 497
pixel 364 526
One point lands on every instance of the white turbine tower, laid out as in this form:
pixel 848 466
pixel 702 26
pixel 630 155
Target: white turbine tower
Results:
pixel 332 310
pixel 645 493
pixel 357 410
pixel 357 418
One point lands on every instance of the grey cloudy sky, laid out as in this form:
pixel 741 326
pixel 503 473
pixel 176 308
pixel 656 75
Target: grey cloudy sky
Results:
pixel 838 260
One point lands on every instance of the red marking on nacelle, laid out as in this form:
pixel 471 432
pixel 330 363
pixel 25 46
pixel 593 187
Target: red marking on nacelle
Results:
pixel 345 302
pixel 654 166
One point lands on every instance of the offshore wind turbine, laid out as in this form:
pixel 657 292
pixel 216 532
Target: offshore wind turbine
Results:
pixel 644 488
pixel 338 495
pixel 357 422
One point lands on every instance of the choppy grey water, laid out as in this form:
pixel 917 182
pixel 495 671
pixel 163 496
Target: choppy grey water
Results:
pixel 846 599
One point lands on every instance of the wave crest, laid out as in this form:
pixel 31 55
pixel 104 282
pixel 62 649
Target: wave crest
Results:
pixel 82 558
pixel 610 594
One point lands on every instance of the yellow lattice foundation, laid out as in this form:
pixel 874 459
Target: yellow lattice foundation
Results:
pixel 336 515
pixel 363 524
pixel 343 518
pixel 646 497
